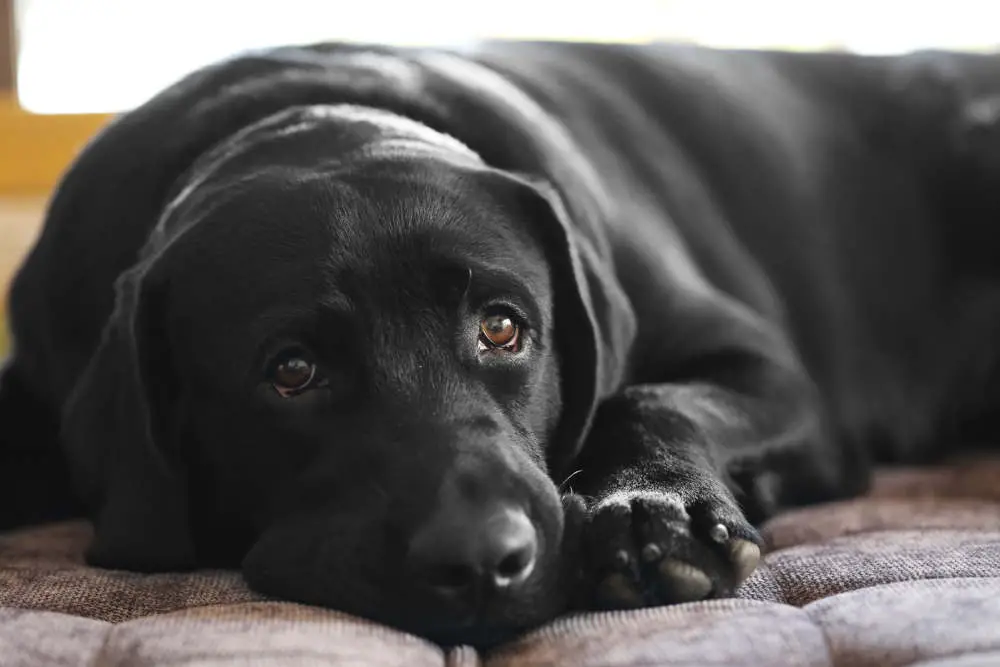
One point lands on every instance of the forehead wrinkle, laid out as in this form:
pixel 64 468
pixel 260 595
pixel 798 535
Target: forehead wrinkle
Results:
pixel 281 320
pixel 292 319
pixel 374 233
pixel 400 241
pixel 501 279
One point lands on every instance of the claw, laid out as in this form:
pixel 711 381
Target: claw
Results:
pixel 746 556
pixel 719 533
pixel 651 553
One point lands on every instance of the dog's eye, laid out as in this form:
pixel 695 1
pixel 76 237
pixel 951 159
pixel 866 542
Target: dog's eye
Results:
pixel 499 331
pixel 293 374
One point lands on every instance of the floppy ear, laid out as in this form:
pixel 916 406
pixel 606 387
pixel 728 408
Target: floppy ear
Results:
pixel 121 441
pixel 594 321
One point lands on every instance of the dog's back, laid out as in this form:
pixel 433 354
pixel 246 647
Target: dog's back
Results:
pixel 851 199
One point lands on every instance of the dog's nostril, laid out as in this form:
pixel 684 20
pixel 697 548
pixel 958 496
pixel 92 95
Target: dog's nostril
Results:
pixel 515 566
pixel 511 547
pixel 512 565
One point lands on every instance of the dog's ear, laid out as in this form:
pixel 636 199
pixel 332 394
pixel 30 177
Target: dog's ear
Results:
pixel 594 321
pixel 120 436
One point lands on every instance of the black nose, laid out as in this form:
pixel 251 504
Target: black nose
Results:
pixel 461 553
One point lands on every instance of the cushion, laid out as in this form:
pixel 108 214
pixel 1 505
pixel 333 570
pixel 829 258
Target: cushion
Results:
pixel 907 575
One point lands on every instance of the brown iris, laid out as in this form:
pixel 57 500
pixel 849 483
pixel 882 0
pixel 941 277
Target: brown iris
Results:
pixel 293 375
pixel 499 331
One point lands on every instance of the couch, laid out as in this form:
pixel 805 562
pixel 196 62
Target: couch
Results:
pixel 907 575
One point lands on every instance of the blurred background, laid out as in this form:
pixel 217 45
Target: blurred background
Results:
pixel 66 65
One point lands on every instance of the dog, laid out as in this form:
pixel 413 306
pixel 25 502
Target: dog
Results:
pixel 458 340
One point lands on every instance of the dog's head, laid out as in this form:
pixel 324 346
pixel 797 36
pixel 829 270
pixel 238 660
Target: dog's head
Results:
pixel 343 360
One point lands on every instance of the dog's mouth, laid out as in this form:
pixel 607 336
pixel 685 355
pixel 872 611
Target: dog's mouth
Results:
pixel 481 635
pixel 302 561
pixel 495 622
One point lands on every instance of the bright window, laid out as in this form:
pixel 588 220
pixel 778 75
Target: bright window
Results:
pixel 109 55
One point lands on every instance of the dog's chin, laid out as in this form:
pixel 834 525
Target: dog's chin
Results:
pixel 484 630
pixel 479 631
pixel 492 626
pixel 481 636
pixel 403 608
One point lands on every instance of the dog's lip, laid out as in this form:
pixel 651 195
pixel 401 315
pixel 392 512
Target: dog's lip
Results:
pixel 479 622
pixel 485 596
pixel 473 629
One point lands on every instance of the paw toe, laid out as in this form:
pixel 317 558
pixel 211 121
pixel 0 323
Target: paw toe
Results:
pixel 745 556
pixel 684 581
pixel 617 591
pixel 651 549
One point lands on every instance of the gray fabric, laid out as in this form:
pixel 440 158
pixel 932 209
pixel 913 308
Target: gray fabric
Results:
pixel 898 624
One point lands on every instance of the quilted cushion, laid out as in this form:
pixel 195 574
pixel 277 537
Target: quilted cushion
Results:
pixel 908 575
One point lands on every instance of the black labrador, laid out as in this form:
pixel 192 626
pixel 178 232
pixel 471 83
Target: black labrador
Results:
pixel 460 340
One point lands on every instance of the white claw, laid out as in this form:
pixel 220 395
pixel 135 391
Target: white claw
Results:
pixel 745 556
pixel 651 552
pixel 719 533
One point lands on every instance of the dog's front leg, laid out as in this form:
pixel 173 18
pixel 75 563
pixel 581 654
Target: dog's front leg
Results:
pixel 675 474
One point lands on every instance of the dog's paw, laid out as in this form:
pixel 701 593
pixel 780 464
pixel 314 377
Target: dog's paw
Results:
pixel 648 548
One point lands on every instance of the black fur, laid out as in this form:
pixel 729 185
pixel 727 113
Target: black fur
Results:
pixel 744 277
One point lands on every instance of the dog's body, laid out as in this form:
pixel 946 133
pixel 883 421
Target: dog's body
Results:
pixel 747 275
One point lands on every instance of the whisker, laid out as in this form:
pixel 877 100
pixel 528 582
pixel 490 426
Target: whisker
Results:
pixel 572 475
